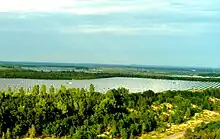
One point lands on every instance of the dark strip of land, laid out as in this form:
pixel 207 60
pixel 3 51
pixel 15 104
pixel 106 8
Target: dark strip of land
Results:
pixel 69 75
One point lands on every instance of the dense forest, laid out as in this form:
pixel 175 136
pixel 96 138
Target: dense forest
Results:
pixel 205 131
pixel 56 75
pixel 69 75
pixel 87 114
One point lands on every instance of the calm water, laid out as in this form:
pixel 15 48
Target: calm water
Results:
pixel 133 84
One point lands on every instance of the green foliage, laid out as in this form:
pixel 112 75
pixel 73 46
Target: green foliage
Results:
pixel 3 136
pixel 8 134
pixel 79 113
pixel 32 131
pixel 205 131
pixel 92 88
pixel 188 113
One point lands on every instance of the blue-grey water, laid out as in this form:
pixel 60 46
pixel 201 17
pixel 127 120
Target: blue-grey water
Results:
pixel 133 84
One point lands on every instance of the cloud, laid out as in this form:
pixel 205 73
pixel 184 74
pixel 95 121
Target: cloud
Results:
pixel 33 5
pixel 65 6
pixel 150 29
pixel 110 29
pixel 91 29
pixel 110 16
pixel 23 16
pixel 85 7
pixel 105 10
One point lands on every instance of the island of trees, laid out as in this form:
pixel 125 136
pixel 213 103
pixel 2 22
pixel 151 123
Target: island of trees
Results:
pixel 87 114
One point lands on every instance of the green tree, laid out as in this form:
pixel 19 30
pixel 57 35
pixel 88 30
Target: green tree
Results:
pixel 43 89
pixel 21 90
pixel 131 136
pixel 124 133
pixel 32 131
pixel 3 136
pixel 92 88
pixel 143 128
pixel 188 113
pixel 8 134
pixel 52 90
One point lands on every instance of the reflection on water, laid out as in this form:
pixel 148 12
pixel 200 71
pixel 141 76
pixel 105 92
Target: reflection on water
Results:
pixel 133 84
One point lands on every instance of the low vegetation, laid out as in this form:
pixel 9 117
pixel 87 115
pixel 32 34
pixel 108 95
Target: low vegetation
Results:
pixel 79 113
pixel 209 74
pixel 2 68
pixel 204 131
pixel 179 130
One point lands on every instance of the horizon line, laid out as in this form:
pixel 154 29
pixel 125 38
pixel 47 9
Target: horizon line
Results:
pixel 112 64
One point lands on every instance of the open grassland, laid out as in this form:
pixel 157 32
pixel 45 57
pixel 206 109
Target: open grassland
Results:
pixel 4 68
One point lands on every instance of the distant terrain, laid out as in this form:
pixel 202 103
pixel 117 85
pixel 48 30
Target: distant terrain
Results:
pixel 37 70
pixel 68 112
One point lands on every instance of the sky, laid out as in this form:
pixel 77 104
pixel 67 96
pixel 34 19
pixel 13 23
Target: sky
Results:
pixel 142 32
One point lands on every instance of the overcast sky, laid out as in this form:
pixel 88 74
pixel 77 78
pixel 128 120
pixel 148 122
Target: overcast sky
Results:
pixel 146 32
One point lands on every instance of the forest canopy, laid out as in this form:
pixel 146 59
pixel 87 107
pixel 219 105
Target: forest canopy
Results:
pixel 81 113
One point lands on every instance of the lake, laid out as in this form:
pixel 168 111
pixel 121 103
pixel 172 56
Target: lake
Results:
pixel 102 85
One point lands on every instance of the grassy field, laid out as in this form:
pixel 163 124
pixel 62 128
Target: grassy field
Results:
pixel 4 68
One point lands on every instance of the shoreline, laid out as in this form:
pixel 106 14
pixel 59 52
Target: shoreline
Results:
pixel 173 78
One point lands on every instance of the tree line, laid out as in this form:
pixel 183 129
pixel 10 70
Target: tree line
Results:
pixel 87 114
pixel 69 75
